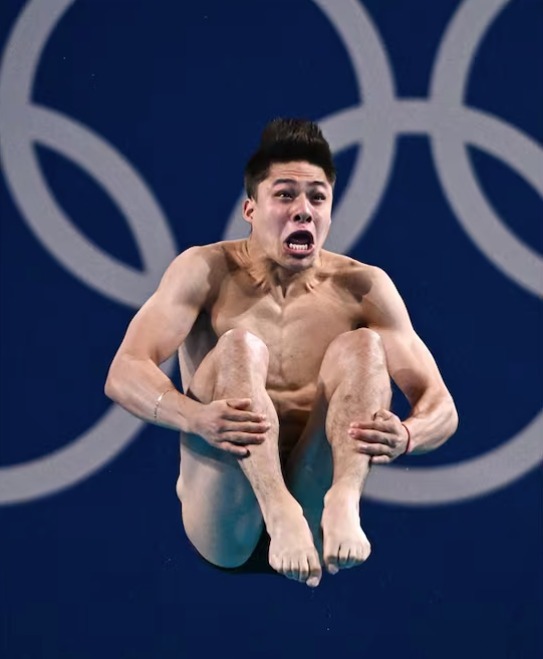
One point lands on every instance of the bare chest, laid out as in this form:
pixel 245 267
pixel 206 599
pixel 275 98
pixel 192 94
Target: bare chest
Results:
pixel 297 330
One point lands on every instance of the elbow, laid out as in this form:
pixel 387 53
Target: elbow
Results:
pixel 112 386
pixel 110 389
pixel 120 376
pixel 453 418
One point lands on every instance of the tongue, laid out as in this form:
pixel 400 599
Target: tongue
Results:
pixel 299 241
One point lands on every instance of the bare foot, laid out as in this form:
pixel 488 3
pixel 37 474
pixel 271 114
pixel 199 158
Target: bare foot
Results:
pixel 344 543
pixel 292 552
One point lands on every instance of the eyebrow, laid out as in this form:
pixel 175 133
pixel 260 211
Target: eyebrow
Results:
pixel 291 181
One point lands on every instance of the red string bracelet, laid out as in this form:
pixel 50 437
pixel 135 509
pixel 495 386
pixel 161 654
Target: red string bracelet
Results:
pixel 408 439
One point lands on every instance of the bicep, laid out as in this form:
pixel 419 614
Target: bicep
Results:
pixel 410 362
pixel 165 320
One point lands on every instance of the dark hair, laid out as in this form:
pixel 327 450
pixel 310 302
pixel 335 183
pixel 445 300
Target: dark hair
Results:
pixel 287 140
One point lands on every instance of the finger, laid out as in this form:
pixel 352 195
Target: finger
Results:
pixel 241 438
pixel 373 437
pixel 257 428
pixel 255 417
pixel 238 451
pixel 383 414
pixel 374 449
pixel 239 403
pixel 381 460
pixel 380 425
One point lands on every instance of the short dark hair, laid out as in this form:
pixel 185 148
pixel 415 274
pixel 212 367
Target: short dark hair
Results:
pixel 287 140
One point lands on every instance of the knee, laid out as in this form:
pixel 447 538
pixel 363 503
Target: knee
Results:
pixel 361 342
pixel 244 342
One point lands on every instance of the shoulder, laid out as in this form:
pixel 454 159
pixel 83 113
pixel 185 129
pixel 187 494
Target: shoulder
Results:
pixel 362 279
pixel 371 286
pixel 197 271
pixel 203 260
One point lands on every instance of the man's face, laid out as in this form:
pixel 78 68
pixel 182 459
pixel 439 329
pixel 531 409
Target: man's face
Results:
pixel 291 214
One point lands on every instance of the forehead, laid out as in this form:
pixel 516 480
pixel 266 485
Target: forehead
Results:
pixel 300 171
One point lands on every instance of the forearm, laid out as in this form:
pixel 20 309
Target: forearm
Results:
pixel 136 385
pixel 431 423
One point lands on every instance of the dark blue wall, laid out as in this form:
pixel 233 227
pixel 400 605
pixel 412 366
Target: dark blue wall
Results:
pixel 124 129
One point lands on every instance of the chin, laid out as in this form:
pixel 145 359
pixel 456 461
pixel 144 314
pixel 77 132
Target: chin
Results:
pixel 297 264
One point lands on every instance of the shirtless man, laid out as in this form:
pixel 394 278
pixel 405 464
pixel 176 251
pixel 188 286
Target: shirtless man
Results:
pixel 286 353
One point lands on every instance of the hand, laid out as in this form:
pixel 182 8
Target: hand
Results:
pixel 229 425
pixel 384 438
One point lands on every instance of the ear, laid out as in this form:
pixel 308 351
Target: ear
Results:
pixel 248 210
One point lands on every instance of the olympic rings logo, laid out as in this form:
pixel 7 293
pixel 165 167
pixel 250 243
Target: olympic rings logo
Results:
pixel 377 123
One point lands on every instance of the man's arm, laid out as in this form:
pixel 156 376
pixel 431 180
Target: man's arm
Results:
pixel 136 382
pixel 433 417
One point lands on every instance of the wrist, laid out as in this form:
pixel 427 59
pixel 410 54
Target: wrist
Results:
pixel 172 409
pixel 158 403
pixel 187 410
pixel 409 444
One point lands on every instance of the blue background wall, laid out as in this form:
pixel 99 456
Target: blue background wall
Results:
pixel 124 129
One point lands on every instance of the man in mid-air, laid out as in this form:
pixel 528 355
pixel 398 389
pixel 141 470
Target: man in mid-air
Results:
pixel 286 352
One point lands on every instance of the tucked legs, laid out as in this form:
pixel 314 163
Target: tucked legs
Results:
pixel 224 499
pixel 328 469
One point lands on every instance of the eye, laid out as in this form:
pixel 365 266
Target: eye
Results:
pixel 284 194
pixel 319 196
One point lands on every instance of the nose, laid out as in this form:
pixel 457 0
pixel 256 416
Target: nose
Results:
pixel 303 211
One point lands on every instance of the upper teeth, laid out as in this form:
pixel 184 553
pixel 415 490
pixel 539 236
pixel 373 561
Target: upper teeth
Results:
pixel 297 246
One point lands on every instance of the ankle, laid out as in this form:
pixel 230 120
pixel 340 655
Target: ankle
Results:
pixel 282 507
pixel 343 491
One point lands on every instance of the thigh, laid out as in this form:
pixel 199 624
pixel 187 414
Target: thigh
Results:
pixel 220 513
pixel 363 351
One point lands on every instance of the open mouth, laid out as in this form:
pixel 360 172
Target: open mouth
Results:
pixel 299 243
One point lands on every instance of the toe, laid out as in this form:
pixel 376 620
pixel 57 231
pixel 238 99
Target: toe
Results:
pixel 332 564
pixel 295 569
pixel 304 569
pixel 274 563
pixel 330 555
pixel 358 554
pixel 343 556
pixel 315 572
pixel 289 569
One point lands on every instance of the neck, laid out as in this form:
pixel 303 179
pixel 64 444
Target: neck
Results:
pixel 269 275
